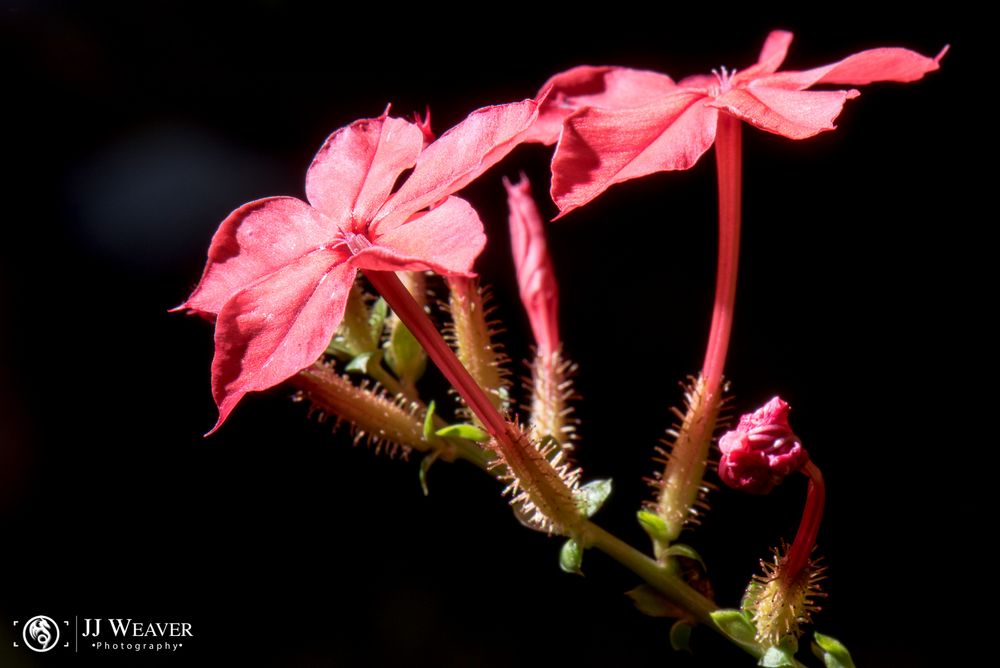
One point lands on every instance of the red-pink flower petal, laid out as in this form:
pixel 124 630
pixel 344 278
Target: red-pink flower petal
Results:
pixel 885 64
pixel 535 276
pixel 255 240
pixel 447 240
pixel 356 169
pixel 459 156
pixel 790 113
pixel 772 54
pixel 278 326
pixel 600 148
pixel 589 86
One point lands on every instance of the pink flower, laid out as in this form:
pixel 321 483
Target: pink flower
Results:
pixel 279 270
pixel 619 124
pixel 762 450
pixel 535 275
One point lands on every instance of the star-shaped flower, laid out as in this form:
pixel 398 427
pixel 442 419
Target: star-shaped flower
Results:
pixel 618 124
pixel 279 269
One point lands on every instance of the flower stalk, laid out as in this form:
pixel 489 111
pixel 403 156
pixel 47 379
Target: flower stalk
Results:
pixel 538 486
pixel 681 483
pixel 812 515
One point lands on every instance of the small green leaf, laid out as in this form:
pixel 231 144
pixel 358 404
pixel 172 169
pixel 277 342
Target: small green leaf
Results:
pixel 776 657
pixel 682 550
pixel 429 422
pixel 650 602
pixel 832 651
pixel 735 625
pixel 571 557
pixel 590 497
pixel 680 635
pixel 653 524
pixel 376 319
pixel 362 362
pixel 404 355
pixel 425 466
pixel 338 347
pixel 466 431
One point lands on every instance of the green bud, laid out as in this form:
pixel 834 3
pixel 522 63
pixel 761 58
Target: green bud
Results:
pixel 832 651
pixel 590 497
pixel 466 431
pixel 571 557
pixel 654 525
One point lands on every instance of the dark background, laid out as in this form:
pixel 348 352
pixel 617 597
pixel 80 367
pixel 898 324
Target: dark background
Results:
pixel 131 133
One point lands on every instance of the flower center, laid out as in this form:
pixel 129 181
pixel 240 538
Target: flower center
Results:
pixel 355 242
pixel 725 79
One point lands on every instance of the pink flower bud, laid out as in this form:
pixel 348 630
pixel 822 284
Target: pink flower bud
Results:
pixel 762 450
pixel 535 276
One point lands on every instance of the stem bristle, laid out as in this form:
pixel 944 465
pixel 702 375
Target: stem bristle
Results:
pixel 781 602
pixel 385 423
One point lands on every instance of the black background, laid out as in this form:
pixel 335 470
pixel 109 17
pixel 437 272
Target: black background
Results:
pixel 133 132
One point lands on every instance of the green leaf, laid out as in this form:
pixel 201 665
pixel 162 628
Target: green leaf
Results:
pixel 429 422
pixel 339 347
pixel 653 524
pixel 832 651
pixel 735 625
pixel 376 319
pixel 466 431
pixel 650 602
pixel 404 355
pixel 776 657
pixel 571 557
pixel 362 362
pixel 590 497
pixel 682 550
pixel 425 466
pixel 680 635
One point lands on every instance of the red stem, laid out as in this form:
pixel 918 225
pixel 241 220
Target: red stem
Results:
pixel 728 152
pixel 812 515
pixel 404 306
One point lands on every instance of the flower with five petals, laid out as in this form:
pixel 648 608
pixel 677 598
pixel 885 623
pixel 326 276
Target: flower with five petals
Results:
pixel 614 124
pixel 279 269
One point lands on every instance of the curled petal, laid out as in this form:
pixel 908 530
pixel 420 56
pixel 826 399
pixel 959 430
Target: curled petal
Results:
pixel 459 156
pixel 447 239
pixel 357 167
pixel 600 148
pixel 589 86
pixel 885 64
pixel 762 450
pixel 253 241
pixel 790 113
pixel 278 326
pixel 772 54
pixel 535 276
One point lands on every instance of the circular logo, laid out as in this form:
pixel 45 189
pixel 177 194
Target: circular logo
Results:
pixel 41 633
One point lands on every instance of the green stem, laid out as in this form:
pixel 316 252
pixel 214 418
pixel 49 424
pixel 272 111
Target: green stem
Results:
pixel 658 577
pixel 662 579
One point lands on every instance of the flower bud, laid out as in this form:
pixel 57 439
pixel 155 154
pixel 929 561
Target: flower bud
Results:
pixel 535 275
pixel 762 450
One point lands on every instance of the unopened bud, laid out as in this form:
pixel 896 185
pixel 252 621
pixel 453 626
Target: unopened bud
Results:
pixel 762 450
